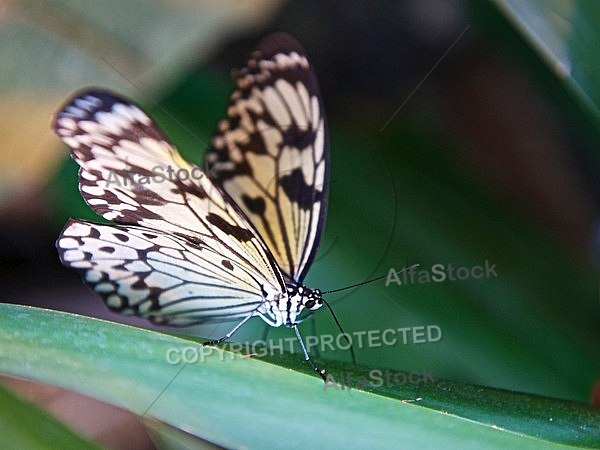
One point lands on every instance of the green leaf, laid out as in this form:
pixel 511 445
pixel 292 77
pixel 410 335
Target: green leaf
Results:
pixel 565 34
pixel 237 401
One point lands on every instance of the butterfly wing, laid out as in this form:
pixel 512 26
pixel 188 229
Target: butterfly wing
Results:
pixel 271 154
pixel 159 276
pixel 120 150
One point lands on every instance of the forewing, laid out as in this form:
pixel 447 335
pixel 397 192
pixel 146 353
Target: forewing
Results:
pixel 271 154
pixel 124 176
pixel 159 276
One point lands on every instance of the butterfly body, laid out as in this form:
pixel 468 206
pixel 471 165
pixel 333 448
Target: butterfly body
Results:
pixel 231 244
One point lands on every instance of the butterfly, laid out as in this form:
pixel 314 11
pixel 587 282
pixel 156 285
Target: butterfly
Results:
pixel 189 246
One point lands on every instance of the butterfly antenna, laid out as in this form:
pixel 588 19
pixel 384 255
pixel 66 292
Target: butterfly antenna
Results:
pixel 350 287
pixel 342 330
pixel 368 281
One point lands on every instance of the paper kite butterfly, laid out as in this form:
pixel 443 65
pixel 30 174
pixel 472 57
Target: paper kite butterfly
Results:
pixel 230 245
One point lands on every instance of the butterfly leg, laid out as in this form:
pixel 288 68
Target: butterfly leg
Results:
pixel 311 315
pixel 322 373
pixel 313 327
pixel 228 335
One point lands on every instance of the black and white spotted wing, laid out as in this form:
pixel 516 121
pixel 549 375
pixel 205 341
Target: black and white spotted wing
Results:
pixel 212 258
pixel 160 276
pixel 271 154
pixel 185 249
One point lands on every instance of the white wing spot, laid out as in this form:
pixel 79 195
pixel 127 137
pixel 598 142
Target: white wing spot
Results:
pixel 80 264
pixel 138 266
pixel 92 277
pixel 292 98
pixel 114 301
pixel 73 255
pixel 139 115
pixel 78 229
pixel 161 280
pixel 171 252
pixel 86 103
pixel 67 123
pixel 97 201
pixel 104 288
pixel 66 243
pixel 111 122
pixel 320 142
pixel 71 142
pixel 90 127
pixel 75 112
pixel 93 190
pixel 92 100
pixel 276 107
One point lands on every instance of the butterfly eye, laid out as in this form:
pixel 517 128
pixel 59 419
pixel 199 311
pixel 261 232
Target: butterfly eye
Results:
pixel 313 303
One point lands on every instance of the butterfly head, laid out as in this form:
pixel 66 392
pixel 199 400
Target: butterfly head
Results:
pixel 308 298
pixel 313 299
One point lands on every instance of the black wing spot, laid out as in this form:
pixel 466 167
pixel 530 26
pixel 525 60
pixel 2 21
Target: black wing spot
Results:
pixel 227 264
pixel 301 138
pixel 241 234
pixel 183 188
pixel 298 191
pixel 107 249
pixel 198 191
pixel 199 243
pixel 149 235
pixel 122 237
pixel 255 205
pixel 139 284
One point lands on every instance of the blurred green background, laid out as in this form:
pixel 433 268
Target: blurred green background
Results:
pixel 461 132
